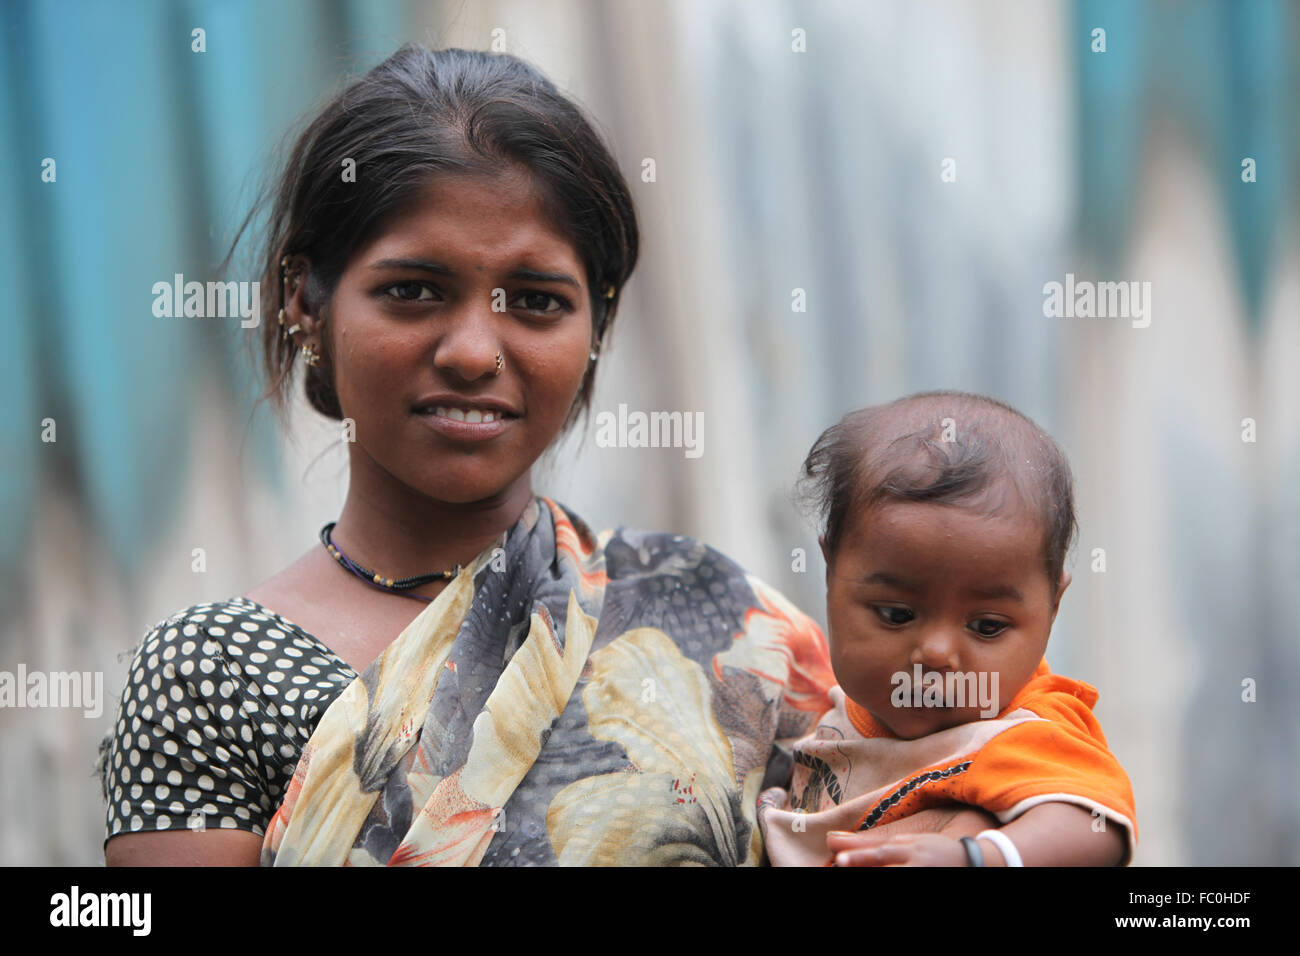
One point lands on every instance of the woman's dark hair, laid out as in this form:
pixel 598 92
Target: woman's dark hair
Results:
pixel 419 113
pixel 946 448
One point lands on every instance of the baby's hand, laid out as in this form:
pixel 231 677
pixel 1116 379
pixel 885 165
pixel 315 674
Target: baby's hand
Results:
pixel 897 849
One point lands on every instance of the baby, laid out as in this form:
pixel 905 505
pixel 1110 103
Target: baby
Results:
pixel 947 518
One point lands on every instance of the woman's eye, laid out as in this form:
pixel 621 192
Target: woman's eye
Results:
pixel 410 291
pixel 536 302
pixel 987 627
pixel 894 616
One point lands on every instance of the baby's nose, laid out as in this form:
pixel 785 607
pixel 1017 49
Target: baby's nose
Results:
pixel 936 651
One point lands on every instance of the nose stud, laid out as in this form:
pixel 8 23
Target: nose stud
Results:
pixel 500 364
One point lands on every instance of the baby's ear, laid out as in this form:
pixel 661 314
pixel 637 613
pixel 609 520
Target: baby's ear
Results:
pixel 826 555
pixel 1066 578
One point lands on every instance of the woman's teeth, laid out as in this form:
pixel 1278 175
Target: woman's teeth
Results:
pixel 467 414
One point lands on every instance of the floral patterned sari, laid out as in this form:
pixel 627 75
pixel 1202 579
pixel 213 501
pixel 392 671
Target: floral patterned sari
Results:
pixel 569 699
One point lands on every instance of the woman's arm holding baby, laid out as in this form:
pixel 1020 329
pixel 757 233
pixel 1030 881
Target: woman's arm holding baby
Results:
pixel 1050 834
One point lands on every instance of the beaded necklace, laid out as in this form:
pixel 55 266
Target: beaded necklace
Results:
pixel 377 580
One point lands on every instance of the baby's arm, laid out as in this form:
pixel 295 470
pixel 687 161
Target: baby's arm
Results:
pixel 1059 834
pixel 1050 834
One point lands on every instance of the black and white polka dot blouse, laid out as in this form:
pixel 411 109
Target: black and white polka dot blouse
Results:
pixel 219 701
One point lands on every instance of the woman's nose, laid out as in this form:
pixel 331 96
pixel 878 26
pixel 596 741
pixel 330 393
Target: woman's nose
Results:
pixel 470 342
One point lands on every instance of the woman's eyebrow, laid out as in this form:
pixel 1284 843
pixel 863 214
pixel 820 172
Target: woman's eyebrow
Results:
pixel 437 268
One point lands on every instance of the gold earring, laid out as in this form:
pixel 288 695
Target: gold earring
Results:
pixel 310 356
pixel 285 276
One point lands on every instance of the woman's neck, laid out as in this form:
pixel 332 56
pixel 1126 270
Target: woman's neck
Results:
pixel 400 533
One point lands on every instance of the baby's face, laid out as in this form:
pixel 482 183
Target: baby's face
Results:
pixel 940 586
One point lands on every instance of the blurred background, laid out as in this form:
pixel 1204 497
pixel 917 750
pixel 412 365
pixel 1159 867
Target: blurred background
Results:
pixel 919 169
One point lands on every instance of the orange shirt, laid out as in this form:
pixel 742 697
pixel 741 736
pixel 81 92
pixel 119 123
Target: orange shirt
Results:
pixel 852 774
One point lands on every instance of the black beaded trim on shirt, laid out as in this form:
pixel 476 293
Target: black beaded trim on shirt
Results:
pixel 888 803
pixel 822 778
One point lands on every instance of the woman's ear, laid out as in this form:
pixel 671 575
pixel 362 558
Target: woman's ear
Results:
pixel 306 325
pixel 826 556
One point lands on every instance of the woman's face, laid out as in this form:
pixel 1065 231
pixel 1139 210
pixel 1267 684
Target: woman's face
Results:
pixel 470 271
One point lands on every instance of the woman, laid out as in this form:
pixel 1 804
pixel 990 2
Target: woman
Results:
pixel 462 672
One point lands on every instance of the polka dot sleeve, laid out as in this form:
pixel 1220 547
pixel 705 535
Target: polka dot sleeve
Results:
pixel 218 703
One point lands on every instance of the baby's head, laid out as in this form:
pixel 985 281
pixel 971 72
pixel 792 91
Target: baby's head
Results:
pixel 946 518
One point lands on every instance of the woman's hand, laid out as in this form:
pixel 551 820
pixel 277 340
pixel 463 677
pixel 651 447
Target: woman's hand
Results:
pixel 928 838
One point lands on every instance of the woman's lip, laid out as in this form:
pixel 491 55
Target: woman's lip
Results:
pixel 465 431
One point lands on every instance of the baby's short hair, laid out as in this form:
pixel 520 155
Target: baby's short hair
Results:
pixel 946 448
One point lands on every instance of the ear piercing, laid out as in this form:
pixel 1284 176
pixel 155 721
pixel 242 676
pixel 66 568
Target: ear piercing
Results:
pixel 310 355
pixel 292 330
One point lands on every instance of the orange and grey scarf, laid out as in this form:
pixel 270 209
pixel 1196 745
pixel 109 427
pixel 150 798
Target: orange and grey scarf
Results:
pixel 569 699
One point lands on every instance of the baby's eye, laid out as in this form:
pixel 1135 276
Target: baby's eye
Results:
pixel 894 616
pixel 987 627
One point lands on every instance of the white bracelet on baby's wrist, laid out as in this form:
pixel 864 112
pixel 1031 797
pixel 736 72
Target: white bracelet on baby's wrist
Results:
pixel 1003 843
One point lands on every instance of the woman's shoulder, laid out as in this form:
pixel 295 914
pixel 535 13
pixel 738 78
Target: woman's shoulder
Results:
pixel 654 578
pixel 709 603
pixel 766 662
pixel 703 571
pixel 631 551
pixel 233 622
pixel 205 650
pixel 219 698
